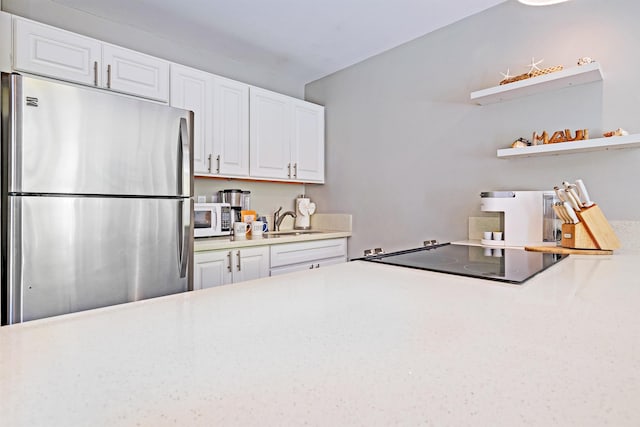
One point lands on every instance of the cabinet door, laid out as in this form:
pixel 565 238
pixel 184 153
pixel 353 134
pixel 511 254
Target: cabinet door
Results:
pixel 191 90
pixel 231 126
pixel 6 40
pixel 211 269
pixel 135 73
pixel 270 136
pixel 308 141
pixel 48 51
pixel 251 263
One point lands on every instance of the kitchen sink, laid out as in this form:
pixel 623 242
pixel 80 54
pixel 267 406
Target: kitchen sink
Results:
pixel 292 233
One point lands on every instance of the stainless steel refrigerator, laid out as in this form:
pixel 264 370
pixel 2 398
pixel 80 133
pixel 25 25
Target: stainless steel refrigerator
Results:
pixel 97 204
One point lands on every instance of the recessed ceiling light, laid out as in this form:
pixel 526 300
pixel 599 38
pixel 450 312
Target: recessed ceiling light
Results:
pixel 541 2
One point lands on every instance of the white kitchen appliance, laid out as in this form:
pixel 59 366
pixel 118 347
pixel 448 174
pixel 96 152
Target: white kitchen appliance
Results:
pixel 528 216
pixel 304 209
pixel 211 219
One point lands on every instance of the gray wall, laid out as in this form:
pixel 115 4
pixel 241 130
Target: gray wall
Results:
pixel 408 153
pixel 49 12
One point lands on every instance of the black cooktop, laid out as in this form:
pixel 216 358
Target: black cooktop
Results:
pixel 501 264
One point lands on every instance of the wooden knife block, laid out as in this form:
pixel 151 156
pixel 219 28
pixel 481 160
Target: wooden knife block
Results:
pixel 592 232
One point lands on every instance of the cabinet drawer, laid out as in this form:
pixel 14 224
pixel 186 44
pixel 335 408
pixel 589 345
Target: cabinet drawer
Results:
pixel 296 253
pixel 308 265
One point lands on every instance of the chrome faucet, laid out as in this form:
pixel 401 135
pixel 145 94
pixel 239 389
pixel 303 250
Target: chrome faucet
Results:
pixel 277 218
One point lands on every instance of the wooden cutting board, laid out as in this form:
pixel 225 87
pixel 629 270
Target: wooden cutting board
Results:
pixel 567 251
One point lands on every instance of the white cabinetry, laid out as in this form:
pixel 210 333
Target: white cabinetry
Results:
pixel 215 268
pixel 5 42
pixel 290 257
pixel 286 138
pixel 221 125
pixel 52 52
pixel 231 127
pixel 191 89
pixel 270 137
pixel 48 51
pixel 132 72
pixel 308 141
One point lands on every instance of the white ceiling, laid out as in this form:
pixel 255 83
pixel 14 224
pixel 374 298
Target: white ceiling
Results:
pixel 310 38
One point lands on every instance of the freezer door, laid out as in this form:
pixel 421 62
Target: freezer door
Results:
pixel 68 139
pixel 69 254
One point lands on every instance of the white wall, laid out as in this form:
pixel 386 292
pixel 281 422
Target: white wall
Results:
pixel 52 13
pixel 408 153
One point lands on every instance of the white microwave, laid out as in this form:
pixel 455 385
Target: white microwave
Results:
pixel 211 219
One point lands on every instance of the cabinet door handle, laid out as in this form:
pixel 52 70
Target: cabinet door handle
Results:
pixel 295 170
pixel 218 167
pixel 317 265
pixel 229 265
pixel 109 76
pixel 239 268
pixel 289 168
pixel 209 158
pixel 95 73
pixel 310 268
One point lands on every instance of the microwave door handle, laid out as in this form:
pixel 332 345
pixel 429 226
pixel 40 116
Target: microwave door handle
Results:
pixel 214 218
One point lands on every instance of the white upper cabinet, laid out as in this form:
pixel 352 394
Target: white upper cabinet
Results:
pixel 270 134
pixel 308 142
pixel 191 89
pixel 287 137
pixel 48 51
pixel 221 125
pixel 52 52
pixel 6 40
pixel 230 127
pixel 127 71
pixel 239 131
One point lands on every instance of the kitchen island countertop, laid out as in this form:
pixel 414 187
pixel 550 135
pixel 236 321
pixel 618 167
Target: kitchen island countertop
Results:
pixel 350 344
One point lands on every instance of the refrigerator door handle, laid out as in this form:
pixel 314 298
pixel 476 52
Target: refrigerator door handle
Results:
pixel 12 100
pixel 184 167
pixel 184 236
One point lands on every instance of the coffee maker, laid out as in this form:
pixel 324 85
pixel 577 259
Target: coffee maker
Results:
pixel 234 198
pixel 527 217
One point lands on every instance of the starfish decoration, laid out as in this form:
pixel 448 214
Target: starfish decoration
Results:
pixel 534 64
pixel 507 75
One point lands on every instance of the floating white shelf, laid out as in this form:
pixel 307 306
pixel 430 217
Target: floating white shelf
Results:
pixel 598 144
pixel 560 79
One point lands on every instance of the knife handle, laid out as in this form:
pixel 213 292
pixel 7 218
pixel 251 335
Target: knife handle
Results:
pixel 575 195
pixel 571 213
pixel 560 213
pixel 560 193
pixel 575 204
pixel 584 194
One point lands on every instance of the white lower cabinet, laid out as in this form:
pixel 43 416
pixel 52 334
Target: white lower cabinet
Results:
pixel 222 267
pixel 290 257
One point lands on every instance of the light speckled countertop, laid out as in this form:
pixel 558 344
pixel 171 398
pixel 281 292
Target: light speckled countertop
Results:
pixel 350 344
pixel 326 226
pixel 226 242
